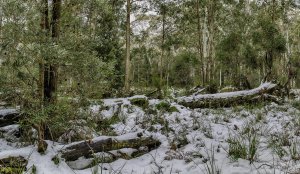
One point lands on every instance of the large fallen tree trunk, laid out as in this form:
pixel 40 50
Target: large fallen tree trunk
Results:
pixel 265 92
pixel 89 148
pixel 9 117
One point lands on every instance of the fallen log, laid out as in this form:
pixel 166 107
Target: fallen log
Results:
pixel 88 148
pixel 9 117
pixel 263 93
pixel 107 157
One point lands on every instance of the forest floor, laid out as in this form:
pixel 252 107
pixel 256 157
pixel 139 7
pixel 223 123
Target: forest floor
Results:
pixel 243 139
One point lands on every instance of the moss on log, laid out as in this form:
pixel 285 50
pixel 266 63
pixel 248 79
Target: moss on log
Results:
pixel 88 148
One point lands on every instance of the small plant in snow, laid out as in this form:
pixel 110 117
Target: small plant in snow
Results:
pixel 244 145
pixel 211 166
pixel 294 151
pixel 237 148
pixel 259 117
pixel 56 160
pixel 276 147
pixel 140 102
pixel 252 151
pixel 296 104
pixel 166 107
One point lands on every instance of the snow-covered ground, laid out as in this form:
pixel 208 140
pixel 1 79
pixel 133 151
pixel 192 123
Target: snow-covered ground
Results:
pixel 194 141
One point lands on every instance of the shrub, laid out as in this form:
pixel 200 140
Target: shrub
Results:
pixel 276 147
pixel 296 104
pixel 294 151
pixel 104 125
pixel 237 149
pixel 165 106
pixel 140 102
pixel 244 146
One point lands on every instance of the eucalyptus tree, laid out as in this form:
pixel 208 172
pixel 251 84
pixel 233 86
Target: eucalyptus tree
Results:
pixel 48 56
pixel 127 60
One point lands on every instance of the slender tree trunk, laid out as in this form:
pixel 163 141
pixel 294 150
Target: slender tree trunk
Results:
pixel 220 78
pixel 45 27
pixel 51 69
pixel 48 71
pixel 1 21
pixel 162 46
pixel 269 54
pixel 205 36
pixel 200 38
pixel 127 63
pixel 210 24
pixel 289 83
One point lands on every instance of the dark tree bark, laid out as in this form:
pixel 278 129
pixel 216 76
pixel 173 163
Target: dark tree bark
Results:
pixel 51 69
pixel 45 27
pixel 9 118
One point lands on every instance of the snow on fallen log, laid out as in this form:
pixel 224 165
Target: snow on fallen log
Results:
pixel 105 144
pixel 227 99
pixel 9 117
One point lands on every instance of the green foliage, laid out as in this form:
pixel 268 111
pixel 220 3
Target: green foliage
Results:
pixel 56 160
pixel 278 149
pixel 277 143
pixel 211 166
pixel 237 149
pixel 294 151
pixel 104 125
pixel 245 144
pixel 56 118
pixel 296 104
pixel 14 167
pixel 166 106
pixel 182 69
pixel 212 88
pixel 252 151
pixel 10 170
pixel 141 102
pixel 259 117
pixel 33 169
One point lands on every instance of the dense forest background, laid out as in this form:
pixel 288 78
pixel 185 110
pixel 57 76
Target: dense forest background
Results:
pixel 96 51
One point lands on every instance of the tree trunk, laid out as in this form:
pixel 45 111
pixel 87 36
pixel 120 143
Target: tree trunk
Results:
pixel 45 26
pixel 51 69
pixel 210 41
pixel 162 46
pixel 127 63
pixel 48 71
pixel 200 38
